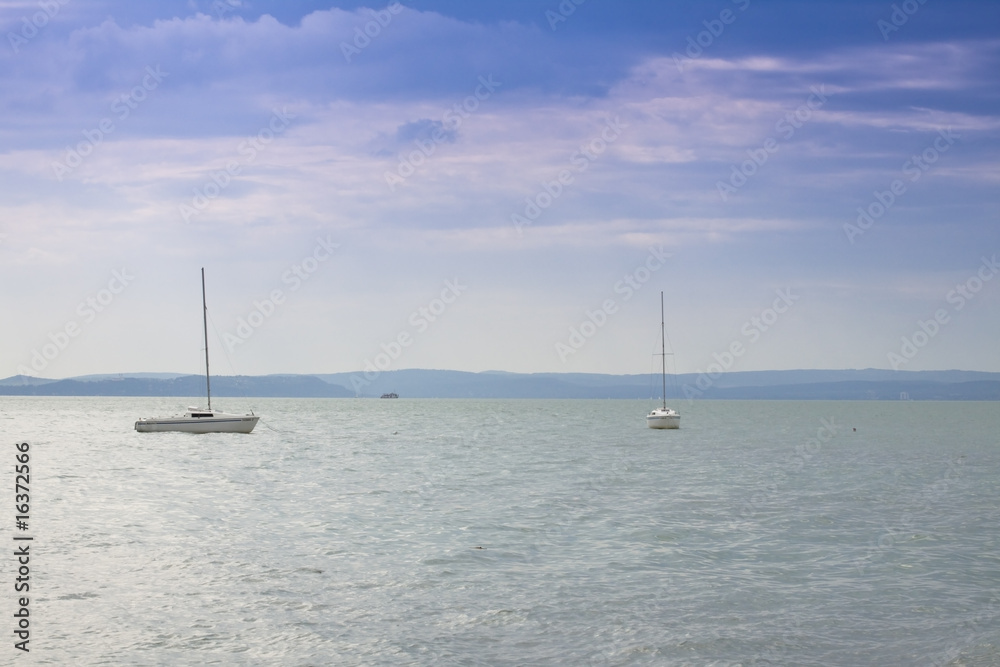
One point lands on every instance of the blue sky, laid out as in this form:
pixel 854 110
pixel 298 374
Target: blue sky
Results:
pixel 499 185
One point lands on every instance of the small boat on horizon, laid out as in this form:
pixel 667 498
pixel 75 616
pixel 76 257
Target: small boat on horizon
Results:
pixel 197 420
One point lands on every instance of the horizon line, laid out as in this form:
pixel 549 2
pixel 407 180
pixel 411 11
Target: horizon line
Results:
pixel 496 371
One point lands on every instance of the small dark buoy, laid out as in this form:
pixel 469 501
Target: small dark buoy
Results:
pixel 854 429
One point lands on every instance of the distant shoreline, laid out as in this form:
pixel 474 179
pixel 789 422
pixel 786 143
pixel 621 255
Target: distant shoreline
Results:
pixel 867 384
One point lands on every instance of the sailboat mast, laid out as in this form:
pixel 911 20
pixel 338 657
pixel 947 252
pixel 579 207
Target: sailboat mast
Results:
pixel 663 352
pixel 204 321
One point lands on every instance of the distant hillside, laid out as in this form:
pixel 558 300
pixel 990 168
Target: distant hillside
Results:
pixel 866 391
pixel 868 384
pixel 279 386
pixel 23 380
pixel 805 384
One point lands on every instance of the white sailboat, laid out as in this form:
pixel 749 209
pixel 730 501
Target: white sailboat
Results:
pixel 663 417
pixel 197 420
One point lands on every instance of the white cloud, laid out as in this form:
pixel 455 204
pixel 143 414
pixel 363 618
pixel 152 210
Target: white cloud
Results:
pixel 653 184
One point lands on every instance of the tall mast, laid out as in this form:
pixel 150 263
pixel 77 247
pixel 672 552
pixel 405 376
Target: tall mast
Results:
pixel 204 321
pixel 663 350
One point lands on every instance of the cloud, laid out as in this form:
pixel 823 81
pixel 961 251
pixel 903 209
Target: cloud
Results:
pixel 653 181
pixel 423 129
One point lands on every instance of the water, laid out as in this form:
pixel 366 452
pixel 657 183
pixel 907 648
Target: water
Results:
pixel 464 532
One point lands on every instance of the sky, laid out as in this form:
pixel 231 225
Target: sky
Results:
pixel 498 185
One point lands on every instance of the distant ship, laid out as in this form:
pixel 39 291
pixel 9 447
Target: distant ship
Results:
pixel 390 395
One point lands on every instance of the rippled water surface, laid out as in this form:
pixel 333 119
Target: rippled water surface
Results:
pixel 464 532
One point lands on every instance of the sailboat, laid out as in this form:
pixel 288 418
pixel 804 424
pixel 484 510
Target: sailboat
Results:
pixel 198 420
pixel 663 417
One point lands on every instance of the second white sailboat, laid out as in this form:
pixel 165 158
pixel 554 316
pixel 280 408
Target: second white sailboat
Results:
pixel 663 417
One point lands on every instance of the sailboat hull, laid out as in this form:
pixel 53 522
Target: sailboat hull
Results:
pixel 663 419
pixel 220 423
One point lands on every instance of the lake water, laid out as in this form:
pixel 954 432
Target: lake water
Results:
pixel 518 532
